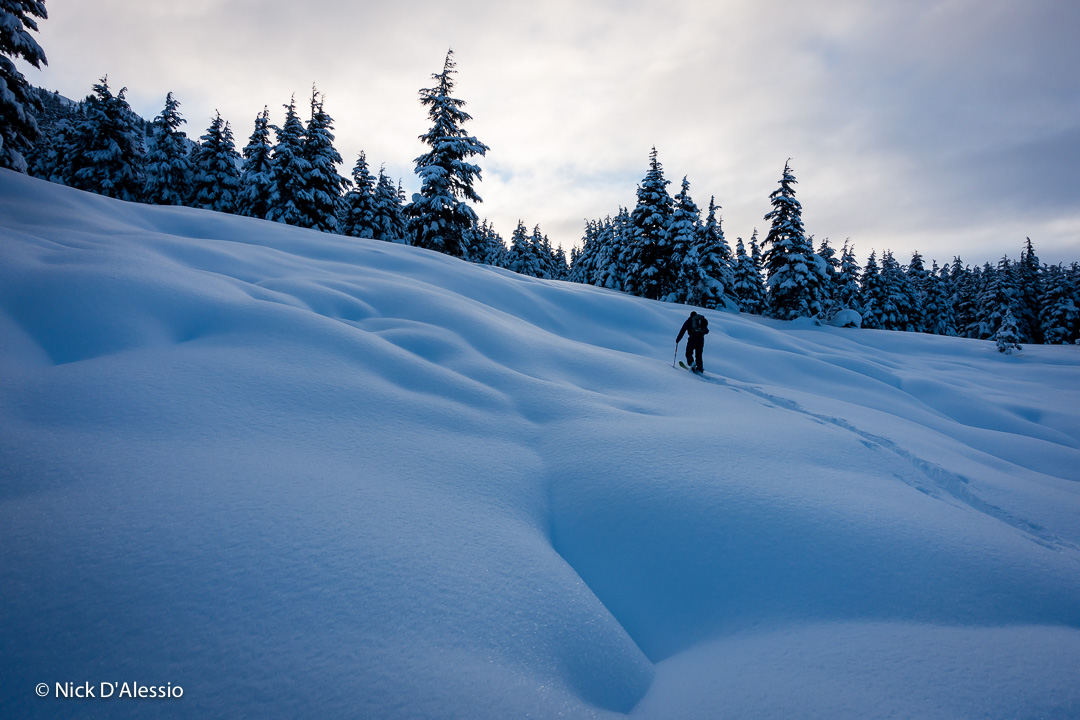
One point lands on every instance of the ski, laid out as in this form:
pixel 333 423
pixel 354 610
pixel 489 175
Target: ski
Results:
pixel 684 366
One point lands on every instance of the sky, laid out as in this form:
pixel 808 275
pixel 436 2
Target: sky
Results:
pixel 950 127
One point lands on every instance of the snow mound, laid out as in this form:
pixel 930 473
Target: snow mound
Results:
pixel 305 475
pixel 846 318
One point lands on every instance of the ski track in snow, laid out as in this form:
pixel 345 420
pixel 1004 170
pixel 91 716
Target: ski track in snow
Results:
pixel 943 484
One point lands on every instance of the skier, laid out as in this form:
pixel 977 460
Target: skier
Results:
pixel 696 328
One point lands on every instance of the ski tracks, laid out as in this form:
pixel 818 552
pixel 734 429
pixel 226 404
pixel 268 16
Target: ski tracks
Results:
pixel 941 483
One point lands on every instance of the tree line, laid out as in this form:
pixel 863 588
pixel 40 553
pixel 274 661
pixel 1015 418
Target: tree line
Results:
pixel 661 249
pixel 664 250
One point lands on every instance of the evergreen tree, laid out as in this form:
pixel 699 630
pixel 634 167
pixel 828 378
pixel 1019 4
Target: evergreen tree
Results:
pixel 795 275
pixel 894 298
pixel 651 272
pixel 216 183
pixel 846 292
pixel 1029 278
pixel 562 267
pixel 749 287
pixel 168 168
pixel 937 309
pixel 523 258
pixel 598 262
pixel 708 274
pixel 18 101
pixel 615 253
pixel 683 230
pixel 545 257
pixel 1007 335
pixel 1060 317
pixel 487 248
pixel 105 149
pixel 439 215
pixel 358 215
pixel 918 288
pixel 389 212
pixel 323 186
pixel 583 261
pixel 256 185
pixel 832 273
pixel 873 294
pixel 289 169
pixel 46 159
pixel 541 253
pixel 999 295
pixel 964 298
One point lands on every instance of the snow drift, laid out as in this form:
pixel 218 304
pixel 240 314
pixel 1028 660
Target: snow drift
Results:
pixel 302 475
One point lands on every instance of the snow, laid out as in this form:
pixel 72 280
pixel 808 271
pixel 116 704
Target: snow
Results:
pixel 302 475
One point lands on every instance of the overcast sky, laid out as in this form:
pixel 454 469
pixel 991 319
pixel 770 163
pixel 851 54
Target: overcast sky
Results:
pixel 946 126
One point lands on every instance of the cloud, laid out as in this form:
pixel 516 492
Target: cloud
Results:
pixel 950 123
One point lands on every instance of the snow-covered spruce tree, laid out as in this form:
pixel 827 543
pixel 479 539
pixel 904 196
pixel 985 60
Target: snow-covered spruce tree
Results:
pixel 598 261
pixel 918 283
pixel 846 293
pixel 358 207
pixel 1007 335
pixel 105 148
pixel 999 295
pixel 651 269
pixel 168 167
pixel 18 101
pixel 255 177
pixel 389 211
pixel 981 277
pixel 714 284
pixel 43 159
pixel 617 273
pixel 216 182
pixel 715 245
pixel 872 293
pixel 1029 277
pixel 485 246
pixel 551 266
pixel 937 309
pixel 583 261
pixel 562 266
pixel 795 275
pixel 541 248
pixel 1059 317
pixel 683 229
pixel 439 215
pixel 289 169
pixel 749 286
pixel 894 304
pixel 832 271
pixel 323 185
pixel 963 298
pixel 522 257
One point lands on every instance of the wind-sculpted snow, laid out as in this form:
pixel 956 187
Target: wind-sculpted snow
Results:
pixel 301 475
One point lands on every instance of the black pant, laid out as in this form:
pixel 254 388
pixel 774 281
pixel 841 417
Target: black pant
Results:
pixel 694 345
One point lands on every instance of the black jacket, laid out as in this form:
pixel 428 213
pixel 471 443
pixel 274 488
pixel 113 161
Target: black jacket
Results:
pixel 688 328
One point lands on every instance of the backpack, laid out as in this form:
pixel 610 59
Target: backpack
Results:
pixel 699 325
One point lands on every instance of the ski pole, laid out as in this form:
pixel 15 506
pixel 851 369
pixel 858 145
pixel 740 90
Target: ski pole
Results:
pixel 676 354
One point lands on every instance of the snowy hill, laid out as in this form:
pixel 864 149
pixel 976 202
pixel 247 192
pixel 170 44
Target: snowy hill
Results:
pixel 300 475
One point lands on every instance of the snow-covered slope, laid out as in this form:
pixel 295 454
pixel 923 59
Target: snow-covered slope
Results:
pixel 300 475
